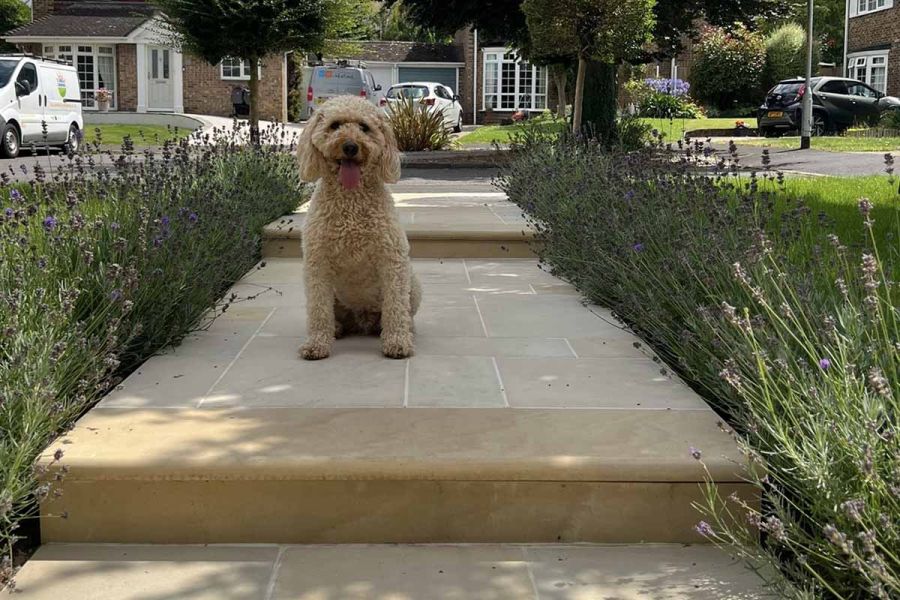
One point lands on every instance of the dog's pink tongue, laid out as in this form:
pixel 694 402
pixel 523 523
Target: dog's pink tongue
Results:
pixel 349 174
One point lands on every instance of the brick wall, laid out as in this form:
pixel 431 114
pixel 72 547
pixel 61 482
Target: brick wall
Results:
pixel 465 40
pixel 126 77
pixel 42 8
pixel 205 92
pixel 876 31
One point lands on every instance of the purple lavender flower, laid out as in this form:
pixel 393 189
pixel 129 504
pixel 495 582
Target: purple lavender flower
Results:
pixel 15 195
pixel 50 223
pixel 704 529
pixel 115 295
pixel 42 263
pixel 164 221
pixel 629 195
pixel 157 242
pixel 9 213
pixel 193 218
pixel 114 226
pixel 824 364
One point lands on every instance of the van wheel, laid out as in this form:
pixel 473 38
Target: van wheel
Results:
pixel 9 141
pixel 458 127
pixel 73 141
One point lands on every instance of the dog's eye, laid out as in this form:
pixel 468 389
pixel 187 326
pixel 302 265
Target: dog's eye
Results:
pixel 335 125
pixel 364 127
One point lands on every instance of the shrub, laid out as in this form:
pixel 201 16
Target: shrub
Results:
pixel 662 98
pixel 100 271
pixel 890 119
pixel 786 55
pixel 418 128
pixel 728 67
pixel 786 329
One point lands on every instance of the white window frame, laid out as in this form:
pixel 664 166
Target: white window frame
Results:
pixel 245 70
pixel 506 56
pixel 76 49
pixel 867 7
pixel 863 61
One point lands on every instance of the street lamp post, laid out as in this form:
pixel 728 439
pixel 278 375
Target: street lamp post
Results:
pixel 806 120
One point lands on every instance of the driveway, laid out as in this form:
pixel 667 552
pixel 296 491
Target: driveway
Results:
pixel 808 162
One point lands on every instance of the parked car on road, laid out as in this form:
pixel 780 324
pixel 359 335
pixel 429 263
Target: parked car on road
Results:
pixel 838 103
pixel 326 82
pixel 36 93
pixel 436 96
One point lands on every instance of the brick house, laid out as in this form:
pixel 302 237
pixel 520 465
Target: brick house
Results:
pixel 491 83
pixel 873 44
pixel 119 45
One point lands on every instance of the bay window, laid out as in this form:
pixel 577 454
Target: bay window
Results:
pixel 96 66
pixel 511 84
pixel 869 67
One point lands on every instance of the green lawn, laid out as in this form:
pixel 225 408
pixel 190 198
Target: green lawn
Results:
pixel 673 129
pixel 141 135
pixel 834 143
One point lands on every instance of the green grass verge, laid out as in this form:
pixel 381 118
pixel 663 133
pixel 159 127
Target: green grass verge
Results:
pixel 141 135
pixel 673 129
pixel 834 143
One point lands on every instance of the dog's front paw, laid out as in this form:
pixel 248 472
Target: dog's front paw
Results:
pixel 313 350
pixel 400 346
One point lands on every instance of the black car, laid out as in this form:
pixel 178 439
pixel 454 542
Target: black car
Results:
pixel 838 103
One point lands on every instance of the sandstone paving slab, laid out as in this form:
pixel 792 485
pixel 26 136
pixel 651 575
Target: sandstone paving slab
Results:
pixel 519 347
pixel 630 383
pixel 454 381
pixel 146 572
pixel 386 572
pixel 541 315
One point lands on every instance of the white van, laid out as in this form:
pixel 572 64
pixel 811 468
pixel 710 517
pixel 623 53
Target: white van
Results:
pixel 37 91
pixel 326 82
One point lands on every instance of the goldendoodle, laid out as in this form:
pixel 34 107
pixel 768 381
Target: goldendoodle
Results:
pixel 356 255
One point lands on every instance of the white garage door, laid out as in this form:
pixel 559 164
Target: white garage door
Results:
pixel 383 77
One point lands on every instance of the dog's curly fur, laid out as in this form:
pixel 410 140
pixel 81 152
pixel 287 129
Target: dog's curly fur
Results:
pixel 356 254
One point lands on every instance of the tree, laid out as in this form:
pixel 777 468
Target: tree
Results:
pixel 13 13
pixel 395 23
pixel 605 31
pixel 246 29
pixel 828 18
pixel 786 54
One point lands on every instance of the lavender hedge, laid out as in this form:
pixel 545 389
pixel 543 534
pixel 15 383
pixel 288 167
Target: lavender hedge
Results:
pixel 104 262
pixel 787 329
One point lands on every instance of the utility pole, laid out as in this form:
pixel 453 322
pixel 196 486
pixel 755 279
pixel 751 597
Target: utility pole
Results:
pixel 806 119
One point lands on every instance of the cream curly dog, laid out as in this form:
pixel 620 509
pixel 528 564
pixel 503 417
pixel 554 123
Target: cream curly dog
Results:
pixel 356 255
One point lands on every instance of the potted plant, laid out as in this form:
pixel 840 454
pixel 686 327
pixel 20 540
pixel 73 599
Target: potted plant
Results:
pixel 102 96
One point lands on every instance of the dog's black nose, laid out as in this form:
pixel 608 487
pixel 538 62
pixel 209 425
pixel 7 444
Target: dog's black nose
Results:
pixel 350 149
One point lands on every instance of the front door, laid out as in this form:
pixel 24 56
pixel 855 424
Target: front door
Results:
pixel 160 89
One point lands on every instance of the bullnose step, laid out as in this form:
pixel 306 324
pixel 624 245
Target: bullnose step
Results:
pixel 381 475
pixel 437 224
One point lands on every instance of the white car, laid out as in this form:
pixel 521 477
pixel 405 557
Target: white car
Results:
pixel 38 93
pixel 436 96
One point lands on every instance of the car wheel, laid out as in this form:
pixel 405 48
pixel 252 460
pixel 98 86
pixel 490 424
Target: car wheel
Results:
pixel 73 141
pixel 769 132
pixel 819 125
pixel 9 141
pixel 458 127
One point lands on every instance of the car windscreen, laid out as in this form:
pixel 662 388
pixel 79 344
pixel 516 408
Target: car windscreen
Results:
pixel 407 92
pixel 787 88
pixel 6 70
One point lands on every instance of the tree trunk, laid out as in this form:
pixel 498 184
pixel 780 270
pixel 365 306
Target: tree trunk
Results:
pixel 598 111
pixel 579 95
pixel 559 80
pixel 254 100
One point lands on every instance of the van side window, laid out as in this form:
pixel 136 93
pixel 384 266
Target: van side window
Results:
pixel 29 74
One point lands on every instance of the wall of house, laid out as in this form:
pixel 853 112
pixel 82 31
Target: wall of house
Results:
pixel 42 8
pixel 126 77
pixel 206 93
pixel 879 30
pixel 465 40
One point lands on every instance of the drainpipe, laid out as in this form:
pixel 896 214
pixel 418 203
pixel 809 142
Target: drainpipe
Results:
pixel 475 81
pixel 846 36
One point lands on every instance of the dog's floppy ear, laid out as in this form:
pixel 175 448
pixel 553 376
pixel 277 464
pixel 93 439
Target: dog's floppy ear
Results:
pixel 390 154
pixel 312 163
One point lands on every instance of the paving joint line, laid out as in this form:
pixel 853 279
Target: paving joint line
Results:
pixel 480 316
pixel 500 381
pixel 235 359
pixel 534 588
pixel 273 578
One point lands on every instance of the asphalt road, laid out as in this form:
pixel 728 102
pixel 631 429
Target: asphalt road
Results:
pixel 811 162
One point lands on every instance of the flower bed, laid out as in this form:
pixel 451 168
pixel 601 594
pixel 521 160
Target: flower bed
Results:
pixel 789 331
pixel 102 267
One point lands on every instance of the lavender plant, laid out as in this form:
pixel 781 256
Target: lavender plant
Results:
pixel 788 330
pixel 103 262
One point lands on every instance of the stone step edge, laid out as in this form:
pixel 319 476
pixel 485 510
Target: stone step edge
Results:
pixel 486 445
pixel 519 234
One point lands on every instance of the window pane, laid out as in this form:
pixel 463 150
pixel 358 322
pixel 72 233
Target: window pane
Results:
pixel 508 85
pixel 165 68
pixel 490 85
pixel 154 63
pixel 87 49
pixel 48 50
pixel 65 48
pixel 85 67
pixel 877 78
pixel 106 72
